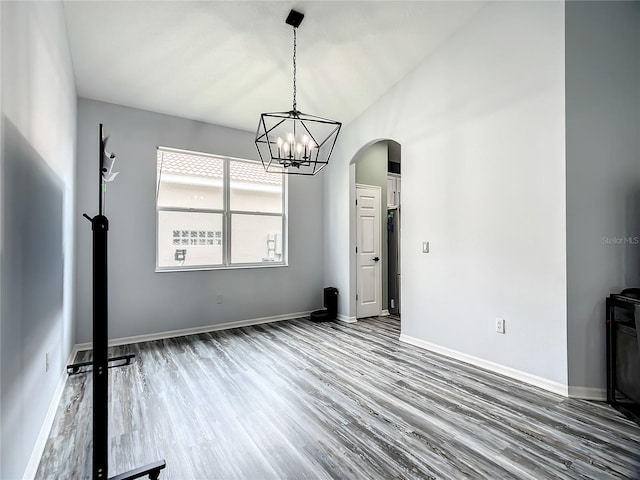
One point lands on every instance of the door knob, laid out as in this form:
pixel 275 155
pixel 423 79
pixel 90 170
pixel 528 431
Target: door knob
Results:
pixel 375 259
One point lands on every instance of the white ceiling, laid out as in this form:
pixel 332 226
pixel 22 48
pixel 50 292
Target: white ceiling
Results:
pixel 225 62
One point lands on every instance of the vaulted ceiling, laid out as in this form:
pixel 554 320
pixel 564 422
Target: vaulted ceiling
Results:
pixel 225 62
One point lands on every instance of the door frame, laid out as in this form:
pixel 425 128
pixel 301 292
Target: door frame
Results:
pixel 380 253
pixel 348 248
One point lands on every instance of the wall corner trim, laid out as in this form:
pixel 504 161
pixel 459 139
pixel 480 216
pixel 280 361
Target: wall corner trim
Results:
pixel 47 424
pixel 384 313
pixel 543 383
pixel 345 319
pixel 588 393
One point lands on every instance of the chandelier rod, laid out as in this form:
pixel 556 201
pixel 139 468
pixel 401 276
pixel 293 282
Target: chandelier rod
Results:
pixel 294 69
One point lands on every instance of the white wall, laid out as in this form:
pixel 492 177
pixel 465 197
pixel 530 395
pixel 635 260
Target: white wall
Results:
pixel 481 125
pixel 37 241
pixel 144 302
pixel 603 173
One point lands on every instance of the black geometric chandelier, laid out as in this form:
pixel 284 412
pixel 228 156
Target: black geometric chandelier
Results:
pixel 294 142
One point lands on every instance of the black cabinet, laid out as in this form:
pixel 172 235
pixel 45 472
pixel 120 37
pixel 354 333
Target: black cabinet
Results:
pixel 623 353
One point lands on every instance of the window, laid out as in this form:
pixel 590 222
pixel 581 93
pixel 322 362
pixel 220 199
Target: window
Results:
pixel 217 212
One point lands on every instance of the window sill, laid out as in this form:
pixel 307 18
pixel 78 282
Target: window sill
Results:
pixel 221 267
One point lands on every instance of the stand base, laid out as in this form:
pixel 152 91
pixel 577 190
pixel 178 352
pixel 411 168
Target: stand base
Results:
pixel 74 368
pixel 152 469
pixel 321 316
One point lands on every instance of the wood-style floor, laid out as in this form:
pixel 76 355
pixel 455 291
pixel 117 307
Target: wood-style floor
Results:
pixel 299 400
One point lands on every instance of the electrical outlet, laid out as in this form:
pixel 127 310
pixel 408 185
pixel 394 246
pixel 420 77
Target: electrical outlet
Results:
pixel 46 362
pixel 500 325
pixel 219 299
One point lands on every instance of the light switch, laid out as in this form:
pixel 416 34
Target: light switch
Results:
pixel 425 247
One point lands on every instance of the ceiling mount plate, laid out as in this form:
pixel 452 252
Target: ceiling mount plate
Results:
pixel 294 18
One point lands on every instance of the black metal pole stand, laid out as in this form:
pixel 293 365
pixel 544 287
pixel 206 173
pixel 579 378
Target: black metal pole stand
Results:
pixel 103 222
pixel 100 363
pixel 100 228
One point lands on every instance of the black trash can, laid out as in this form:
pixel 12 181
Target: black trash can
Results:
pixel 330 312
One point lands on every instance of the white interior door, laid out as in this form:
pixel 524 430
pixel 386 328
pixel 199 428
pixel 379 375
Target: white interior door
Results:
pixel 368 230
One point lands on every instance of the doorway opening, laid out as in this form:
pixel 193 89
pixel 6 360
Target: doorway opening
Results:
pixel 377 229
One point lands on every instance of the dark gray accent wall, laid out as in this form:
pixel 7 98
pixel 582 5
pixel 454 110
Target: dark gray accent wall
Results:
pixel 145 302
pixel 37 156
pixel 603 173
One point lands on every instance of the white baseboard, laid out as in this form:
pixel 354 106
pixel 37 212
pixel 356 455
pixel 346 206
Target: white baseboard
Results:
pixel 344 318
pixel 588 393
pixel 384 313
pixel 47 424
pixel 196 330
pixel 524 377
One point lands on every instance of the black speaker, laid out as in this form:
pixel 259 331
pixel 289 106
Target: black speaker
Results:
pixel 331 301
pixel 330 312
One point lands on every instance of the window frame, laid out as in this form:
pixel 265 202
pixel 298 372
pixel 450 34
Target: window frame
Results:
pixel 227 215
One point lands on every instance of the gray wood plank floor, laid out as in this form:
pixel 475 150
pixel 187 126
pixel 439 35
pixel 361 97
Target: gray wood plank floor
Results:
pixel 296 400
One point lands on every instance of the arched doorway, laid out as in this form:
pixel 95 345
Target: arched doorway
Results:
pixel 375 262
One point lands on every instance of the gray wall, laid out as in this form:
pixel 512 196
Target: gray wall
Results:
pixel 481 124
pixel 37 157
pixel 603 173
pixel 371 169
pixel 144 302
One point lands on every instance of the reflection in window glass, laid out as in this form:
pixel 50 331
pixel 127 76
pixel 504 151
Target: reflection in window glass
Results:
pixel 254 190
pixel 256 238
pixel 198 252
pixel 189 181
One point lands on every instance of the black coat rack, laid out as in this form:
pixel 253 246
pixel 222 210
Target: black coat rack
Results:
pixel 101 360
